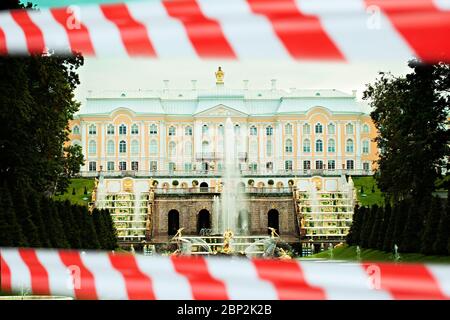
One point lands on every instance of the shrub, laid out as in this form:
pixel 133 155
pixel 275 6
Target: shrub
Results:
pixel 194 183
pixel 85 190
pixel 251 182
pixel 175 183
pixel 291 182
pixel 73 191
pixel 270 182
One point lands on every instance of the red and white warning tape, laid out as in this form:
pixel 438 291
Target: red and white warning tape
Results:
pixel 100 275
pixel 344 30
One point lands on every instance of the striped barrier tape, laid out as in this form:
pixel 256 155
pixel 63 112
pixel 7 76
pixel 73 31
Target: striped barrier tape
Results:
pixel 344 30
pixel 102 275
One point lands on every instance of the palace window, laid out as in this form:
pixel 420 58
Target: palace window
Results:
pixel 349 146
pixel 269 148
pixel 331 146
pixel 253 167
pixel 306 129
pixel 253 131
pixel 253 148
pixel 306 165
pixel 135 147
pixel 306 145
pixel 205 147
pixel 110 129
pixel 153 165
pixel 349 128
pixel 188 167
pixel 122 165
pixel 134 165
pixel 135 129
pixel 319 146
pixel 110 148
pixel 331 165
pixel 288 146
pixel 172 148
pixel 365 128
pixel 331 128
pixel 153 147
pixel 122 146
pixel 153 129
pixel 269 166
pixel 122 129
pixel 172 131
pixel 92 147
pixel 188 131
pixel 92 129
pixel 110 166
pixel 350 165
pixel 237 129
pixel 172 166
pixel 288 165
pixel 365 147
pixel 319 164
pixel 205 129
pixel 76 130
pixel 269 131
pixel 366 166
pixel 288 128
pixel 318 128
pixel 221 129
pixel 188 148
pixel 92 166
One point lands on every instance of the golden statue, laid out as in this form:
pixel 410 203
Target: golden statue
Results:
pixel 273 232
pixel 284 255
pixel 302 222
pixel 219 76
pixel 227 236
pixel 178 235
pixel 147 223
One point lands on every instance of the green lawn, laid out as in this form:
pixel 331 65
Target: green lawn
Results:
pixel 368 197
pixel 79 196
pixel 349 253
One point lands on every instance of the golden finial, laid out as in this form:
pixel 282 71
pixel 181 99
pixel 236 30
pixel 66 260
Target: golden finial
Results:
pixel 219 76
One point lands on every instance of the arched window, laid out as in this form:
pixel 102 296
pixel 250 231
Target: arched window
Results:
pixel 122 129
pixel 288 165
pixel 92 129
pixel 331 128
pixel 349 146
pixel 205 147
pixel 205 129
pixel 253 147
pixel 269 148
pixel 122 147
pixel 319 164
pixel 172 148
pixel 135 147
pixel 253 131
pixel 365 128
pixel 306 129
pixel 365 146
pixel 135 129
pixel 288 146
pixel 318 128
pixel 269 131
pixel 153 129
pixel 92 147
pixel 188 148
pixel 110 129
pixel 221 129
pixel 349 128
pixel 110 147
pixel 288 128
pixel 319 146
pixel 76 130
pixel 350 164
pixel 153 147
pixel 331 145
pixel 306 145
pixel 188 131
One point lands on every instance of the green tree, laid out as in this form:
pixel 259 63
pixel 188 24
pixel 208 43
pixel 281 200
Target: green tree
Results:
pixel 15 236
pixel 367 227
pixel 443 231
pixel 400 222
pixel 5 239
pixel 411 237
pixel 377 216
pixel 355 229
pixel 112 232
pixel 431 226
pixel 23 213
pixel 384 226
pixel 89 238
pixel 410 114
pixel 36 216
pixel 388 241
pixel 55 227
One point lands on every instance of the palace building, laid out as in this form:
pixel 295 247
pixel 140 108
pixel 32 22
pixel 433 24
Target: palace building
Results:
pixel 284 140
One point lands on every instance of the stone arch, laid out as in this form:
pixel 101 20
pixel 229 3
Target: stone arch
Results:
pixel 273 220
pixel 173 222
pixel 204 187
pixel 203 220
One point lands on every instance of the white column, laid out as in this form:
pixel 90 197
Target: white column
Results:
pixel 142 149
pixel 162 146
pixel 278 145
pixel 261 135
pixel 197 142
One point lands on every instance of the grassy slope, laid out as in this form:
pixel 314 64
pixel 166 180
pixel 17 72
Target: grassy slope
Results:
pixel 368 198
pixel 349 253
pixel 79 185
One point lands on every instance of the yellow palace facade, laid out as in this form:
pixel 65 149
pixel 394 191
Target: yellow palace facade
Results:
pixel 174 132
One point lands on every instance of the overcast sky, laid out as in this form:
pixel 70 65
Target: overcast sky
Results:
pixel 134 74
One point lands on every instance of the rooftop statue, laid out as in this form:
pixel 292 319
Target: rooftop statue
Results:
pixel 219 76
